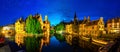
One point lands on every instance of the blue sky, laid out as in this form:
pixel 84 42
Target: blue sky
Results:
pixel 57 10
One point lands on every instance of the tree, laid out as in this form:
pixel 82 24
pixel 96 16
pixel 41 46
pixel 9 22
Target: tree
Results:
pixel 33 25
pixel 60 26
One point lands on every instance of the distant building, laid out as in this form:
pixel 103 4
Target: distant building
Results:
pixel 8 31
pixel 68 28
pixel 113 25
pixel 20 31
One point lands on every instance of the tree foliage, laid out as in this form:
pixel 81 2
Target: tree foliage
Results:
pixel 60 26
pixel 51 31
pixel 33 25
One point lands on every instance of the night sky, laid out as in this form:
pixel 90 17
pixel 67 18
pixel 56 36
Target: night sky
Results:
pixel 57 10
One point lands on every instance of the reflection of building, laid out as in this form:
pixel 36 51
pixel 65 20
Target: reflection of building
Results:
pixel 85 27
pixel 20 31
pixel 113 26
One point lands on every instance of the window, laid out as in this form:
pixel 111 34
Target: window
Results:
pixel 93 27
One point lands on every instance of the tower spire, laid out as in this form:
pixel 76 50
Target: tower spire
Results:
pixel 75 19
pixel 75 16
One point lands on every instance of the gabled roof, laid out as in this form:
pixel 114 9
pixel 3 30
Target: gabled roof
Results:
pixel 84 21
pixel 115 20
pixel 92 23
pixel 20 20
pixel 81 21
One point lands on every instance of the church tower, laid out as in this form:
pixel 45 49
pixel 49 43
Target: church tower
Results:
pixel 75 19
pixel 75 25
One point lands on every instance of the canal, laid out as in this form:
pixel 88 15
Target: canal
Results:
pixel 57 46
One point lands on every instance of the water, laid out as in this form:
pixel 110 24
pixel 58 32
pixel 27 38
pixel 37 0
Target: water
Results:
pixel 56 46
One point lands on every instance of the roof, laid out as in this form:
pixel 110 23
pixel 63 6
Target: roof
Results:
pixel 20 20
pixel 115 20
pixel 84 21
pixel 71 22
pixel 92 23
pixel 81 21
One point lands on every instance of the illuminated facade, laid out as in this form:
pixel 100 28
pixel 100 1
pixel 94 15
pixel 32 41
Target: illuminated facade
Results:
pixel 8 31
pixel 46 33
pixel 86 27
pixel 113 26
pixel 45 25
pixel 72 27
pixel 46 30
pixel 20 31
pixel 95 28
pixel 69 28
pixel 82 26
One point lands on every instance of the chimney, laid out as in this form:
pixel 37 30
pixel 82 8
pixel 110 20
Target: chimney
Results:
pixel 88 19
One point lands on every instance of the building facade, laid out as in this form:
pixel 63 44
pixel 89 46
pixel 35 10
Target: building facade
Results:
pixel 86 27
pixel 113 25
pixel 20 31
pixel 46 30
pixel 95 28
pixel 8 31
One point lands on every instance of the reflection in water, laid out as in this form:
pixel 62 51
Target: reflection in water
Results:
pixel 56 46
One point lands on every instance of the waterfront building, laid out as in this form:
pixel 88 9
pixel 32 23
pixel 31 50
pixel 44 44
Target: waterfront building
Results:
pixel 72 27
pixel 45 25
pixel 82 26
pixel 46 33
pixel 20 31
pixel 86 27
pixel 113 25
pixel 95 28
pixel 46 30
